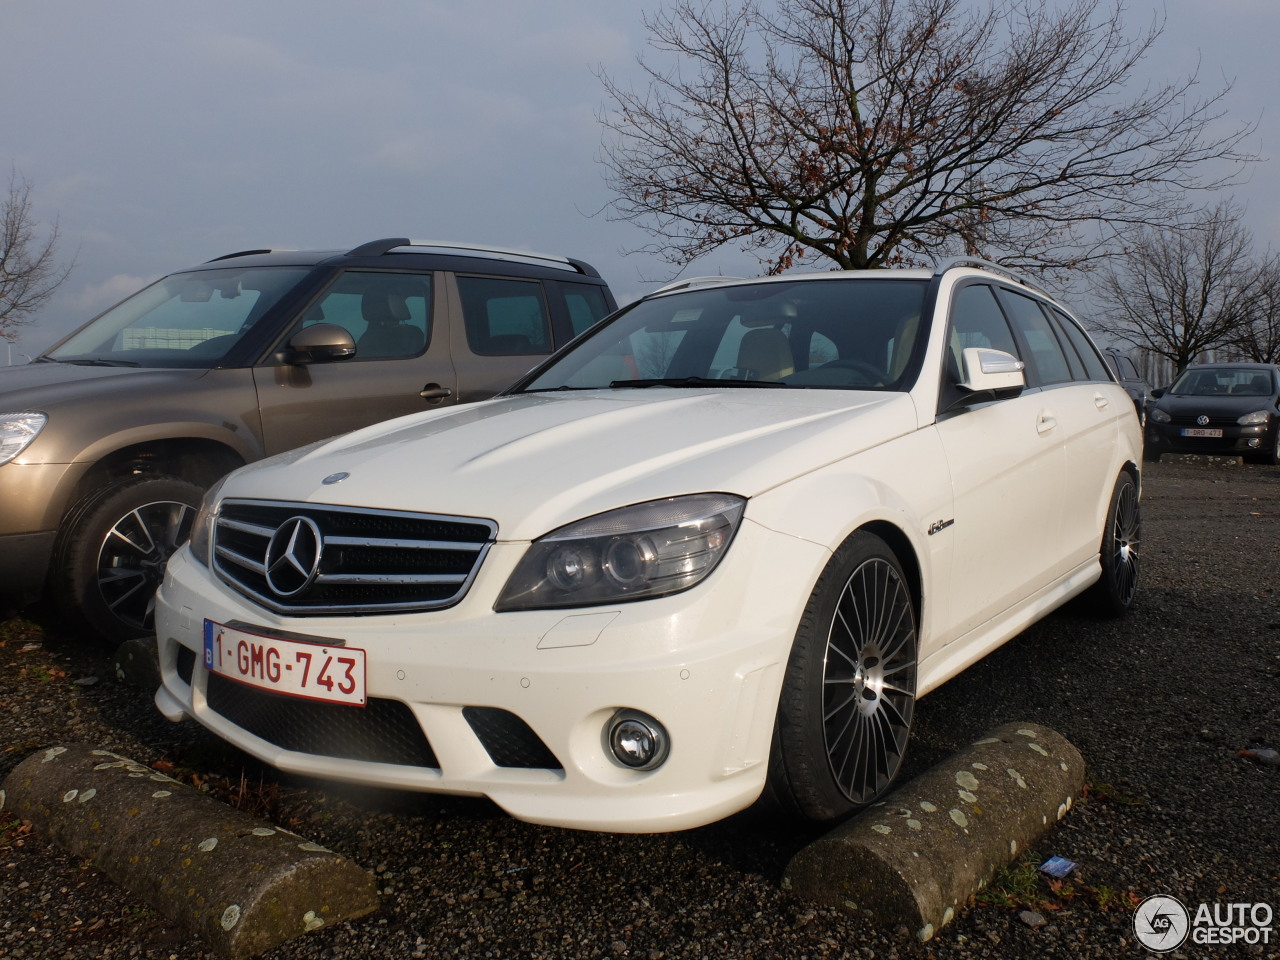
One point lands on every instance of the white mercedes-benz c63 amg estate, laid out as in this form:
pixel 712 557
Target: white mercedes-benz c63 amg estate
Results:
pixel 715 548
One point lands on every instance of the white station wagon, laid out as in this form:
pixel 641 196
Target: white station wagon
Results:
pixel 716 547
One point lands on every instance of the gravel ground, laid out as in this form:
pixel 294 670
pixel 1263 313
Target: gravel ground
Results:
pixel 1159 704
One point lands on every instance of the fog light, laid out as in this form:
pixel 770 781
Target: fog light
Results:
pixel 637 740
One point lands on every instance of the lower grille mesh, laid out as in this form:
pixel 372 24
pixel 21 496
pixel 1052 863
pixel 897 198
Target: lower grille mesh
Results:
pixel 509 741
pixel 384 731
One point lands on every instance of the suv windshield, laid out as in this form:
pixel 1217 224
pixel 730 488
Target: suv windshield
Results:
pixel 856 334
pixel 185 320
pixel 1223 381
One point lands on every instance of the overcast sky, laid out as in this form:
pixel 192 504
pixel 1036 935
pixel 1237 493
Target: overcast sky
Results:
pixel 163 134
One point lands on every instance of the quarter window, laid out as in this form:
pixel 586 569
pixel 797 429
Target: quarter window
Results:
pixel 1095 369
pixel 586 305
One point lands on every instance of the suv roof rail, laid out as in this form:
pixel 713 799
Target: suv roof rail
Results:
pixel 1008 273
pixel 694 282
pixel 378 248
pixel 239 253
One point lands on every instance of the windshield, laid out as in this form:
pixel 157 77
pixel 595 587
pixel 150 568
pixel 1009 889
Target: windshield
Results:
pixel 845 333
pixel 1223 381
pixel 185 320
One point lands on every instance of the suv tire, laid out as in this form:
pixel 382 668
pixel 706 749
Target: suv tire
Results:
pixel 113 550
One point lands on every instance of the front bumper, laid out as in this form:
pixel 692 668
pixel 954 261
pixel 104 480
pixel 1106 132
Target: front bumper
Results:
pixel 33 498
pixel 1235 440
pixel 706 663
pixel 24 564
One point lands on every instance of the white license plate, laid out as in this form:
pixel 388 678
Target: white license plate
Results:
pixel 1201 432
pixel 316 670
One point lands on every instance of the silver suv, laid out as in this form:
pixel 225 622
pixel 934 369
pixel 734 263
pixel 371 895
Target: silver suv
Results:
pixel 108 440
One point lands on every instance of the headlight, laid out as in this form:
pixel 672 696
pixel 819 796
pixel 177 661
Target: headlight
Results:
pixel 1159 416
pixel 1251 419
pixel 646 550
pixel 17 430
pixel 202 526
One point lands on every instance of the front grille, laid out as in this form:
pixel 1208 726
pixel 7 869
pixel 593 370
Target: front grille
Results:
pixel 383 731
pixel 312 559
pixel 1189 420
pixel 509 741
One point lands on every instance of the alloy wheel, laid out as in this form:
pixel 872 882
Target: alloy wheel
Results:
pixel 868 682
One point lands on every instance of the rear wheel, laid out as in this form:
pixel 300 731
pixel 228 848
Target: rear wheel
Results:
pixel 113 552
pixel 1119 554
pixel 849 691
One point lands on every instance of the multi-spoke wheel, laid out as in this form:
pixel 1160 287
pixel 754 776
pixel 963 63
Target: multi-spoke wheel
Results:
pixel 845 712
pixel 1120 551
pixel 115 548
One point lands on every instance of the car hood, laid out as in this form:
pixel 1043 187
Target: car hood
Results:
pixel 44 386
pixel 1216 406
pixel 533 462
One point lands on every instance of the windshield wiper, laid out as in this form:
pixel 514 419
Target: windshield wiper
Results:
pixel 100 362
pixel 694 382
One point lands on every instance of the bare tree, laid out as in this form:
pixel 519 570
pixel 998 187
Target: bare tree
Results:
pixel 29 270
pixel 1261 339
pixel 1180 292
pixel 874 132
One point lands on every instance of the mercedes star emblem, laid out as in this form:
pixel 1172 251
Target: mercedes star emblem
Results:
pixel 293 556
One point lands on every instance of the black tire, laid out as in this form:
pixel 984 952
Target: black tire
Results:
pixel 1120 553
pixel 844 715
pixel 112 551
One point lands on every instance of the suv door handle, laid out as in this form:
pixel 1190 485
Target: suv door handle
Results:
pixel 433 391
pixel 1100 401
pixel 1045 422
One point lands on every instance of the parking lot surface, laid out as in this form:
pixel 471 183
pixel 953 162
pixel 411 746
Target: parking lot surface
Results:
pixel 1161 704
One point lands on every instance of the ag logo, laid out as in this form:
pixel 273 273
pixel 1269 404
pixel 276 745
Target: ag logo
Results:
pixel 1161 923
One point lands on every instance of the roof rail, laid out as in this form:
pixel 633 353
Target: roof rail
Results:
pixel 950 264
pixel 694 282
pixel 378 248
pixel 239 253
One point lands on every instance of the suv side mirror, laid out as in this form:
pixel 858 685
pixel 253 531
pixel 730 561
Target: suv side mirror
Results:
pixel 319 343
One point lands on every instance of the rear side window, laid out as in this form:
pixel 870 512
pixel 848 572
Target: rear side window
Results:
pixel 1046 352
pixel 504 317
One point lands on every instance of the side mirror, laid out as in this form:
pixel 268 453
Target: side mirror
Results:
pixel 1158 392
pixel 992 371
pixel 319 343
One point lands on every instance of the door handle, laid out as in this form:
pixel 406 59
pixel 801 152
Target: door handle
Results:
pixel 1100 401
pixel 1045 422
pixel 433 391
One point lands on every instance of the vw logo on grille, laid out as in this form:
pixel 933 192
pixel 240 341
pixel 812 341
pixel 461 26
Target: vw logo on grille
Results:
pixel 1202 420
pixel 293 556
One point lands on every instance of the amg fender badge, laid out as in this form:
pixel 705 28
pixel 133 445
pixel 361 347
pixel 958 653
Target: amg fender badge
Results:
pixel 939 525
